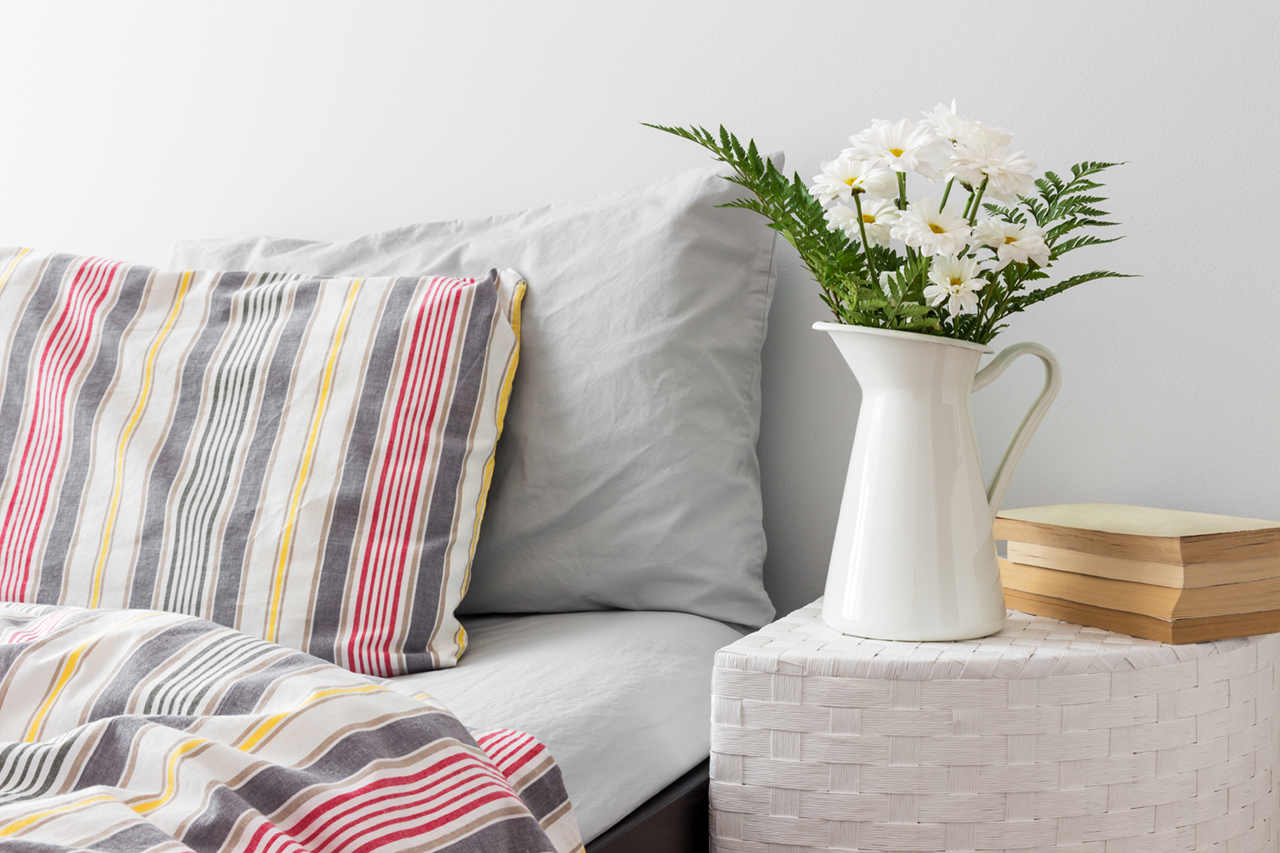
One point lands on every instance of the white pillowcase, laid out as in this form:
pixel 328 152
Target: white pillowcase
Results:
pixel 627 475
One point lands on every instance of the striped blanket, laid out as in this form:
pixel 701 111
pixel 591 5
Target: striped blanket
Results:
pixel 139 730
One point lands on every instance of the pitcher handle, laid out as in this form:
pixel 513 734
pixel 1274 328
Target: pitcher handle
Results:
pixel 1052 379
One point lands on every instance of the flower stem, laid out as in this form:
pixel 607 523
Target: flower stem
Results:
pixel 902 191
pixel 866 247
pixel 946 192
pixel 977 201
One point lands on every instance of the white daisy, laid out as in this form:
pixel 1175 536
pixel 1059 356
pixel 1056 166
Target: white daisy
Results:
pixel 842 218
pixel 878 216
pixel 934 232
pixel 903 146
pixel 955 280
pixel 843 177
pixel 1013 243
pixel 1008 174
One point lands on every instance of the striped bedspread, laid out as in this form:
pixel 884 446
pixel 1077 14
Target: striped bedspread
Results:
pixel 139 730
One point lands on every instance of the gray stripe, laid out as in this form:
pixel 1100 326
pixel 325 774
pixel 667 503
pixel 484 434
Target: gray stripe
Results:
pixel 203 669
pixel 34 778
pixel 168 462
pixel 144 659
pixel 355 469
pixel 273 786
pixel 139 837
pixel 233 388
pixel 546 793
pixel 110 756
pixel 96 383
pixel 455 446
pixel 247 690
pixel 15 390
pixel 279 375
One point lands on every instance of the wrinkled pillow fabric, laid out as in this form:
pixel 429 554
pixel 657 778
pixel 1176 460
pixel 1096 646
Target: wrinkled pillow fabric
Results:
pixel 628 477
pixel 305 459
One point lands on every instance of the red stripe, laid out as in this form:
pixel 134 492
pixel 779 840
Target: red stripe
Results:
pixel 467 777
pixel 419 453
pixel 504 752
pixel 419 802
pixel 388 541
pixel 60 346
pixel 408 393
pixel 379 836
pixel 498 740
pixel 362 628
pixel 436 773
pixel 259 842
pixel 37 629
pixel 400 451
pixel 510 769
pixel 515 753
pixel 61 355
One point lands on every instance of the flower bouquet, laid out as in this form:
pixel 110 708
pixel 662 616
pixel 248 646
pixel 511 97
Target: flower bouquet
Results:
pixel 920 287
pixel 954 265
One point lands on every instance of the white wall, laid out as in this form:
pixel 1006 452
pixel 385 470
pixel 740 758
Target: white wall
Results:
pixel 129 125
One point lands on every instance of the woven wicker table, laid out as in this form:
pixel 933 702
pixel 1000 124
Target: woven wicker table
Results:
pixel 1047 735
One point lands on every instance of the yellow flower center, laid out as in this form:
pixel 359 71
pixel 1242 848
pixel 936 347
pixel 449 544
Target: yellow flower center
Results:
pixel 850 181
pixel 957 282
pixel 868 218
pixel 896 152
pixel 936 228
pixel 1009 240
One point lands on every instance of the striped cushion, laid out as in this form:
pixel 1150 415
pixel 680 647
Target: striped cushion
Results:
pixel 304 459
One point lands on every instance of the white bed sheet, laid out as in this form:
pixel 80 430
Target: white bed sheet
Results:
pixel 621 698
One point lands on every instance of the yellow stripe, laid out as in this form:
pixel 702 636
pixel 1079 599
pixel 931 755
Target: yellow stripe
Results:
pixel 171 777
pixel 63 677
pixel 503 398
pixel 4 279
pixel 171 770
pixel 114 506
pixel 68 669
pixel 271 722
pixel 19 825
pixel 286 539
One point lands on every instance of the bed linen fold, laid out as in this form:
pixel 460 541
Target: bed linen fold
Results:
pixel 137 730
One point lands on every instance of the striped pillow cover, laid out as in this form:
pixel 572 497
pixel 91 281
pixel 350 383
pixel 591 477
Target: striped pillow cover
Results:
pixel 302 458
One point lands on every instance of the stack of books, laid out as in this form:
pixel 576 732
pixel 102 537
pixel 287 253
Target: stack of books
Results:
pixel 1177 577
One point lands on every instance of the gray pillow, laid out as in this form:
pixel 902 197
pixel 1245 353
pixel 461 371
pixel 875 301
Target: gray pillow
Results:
pixel 627 476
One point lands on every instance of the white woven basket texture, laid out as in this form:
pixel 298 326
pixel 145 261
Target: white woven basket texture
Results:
pixel 1046 736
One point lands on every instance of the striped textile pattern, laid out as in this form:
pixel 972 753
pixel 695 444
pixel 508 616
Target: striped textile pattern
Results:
pixel 302 458
pixel 142 730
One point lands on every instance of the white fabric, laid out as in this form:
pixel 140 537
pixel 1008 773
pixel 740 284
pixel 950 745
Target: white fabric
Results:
pixel 626 476
pixel 621 698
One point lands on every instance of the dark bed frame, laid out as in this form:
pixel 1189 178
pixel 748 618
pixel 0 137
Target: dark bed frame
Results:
pixel 674 820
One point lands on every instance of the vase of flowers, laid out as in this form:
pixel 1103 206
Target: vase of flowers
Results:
pixel 919 286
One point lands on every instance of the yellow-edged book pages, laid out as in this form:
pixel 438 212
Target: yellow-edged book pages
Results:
pixel 1141 533
pixel 1200 630
pixel 1179 576
pixel 1159 601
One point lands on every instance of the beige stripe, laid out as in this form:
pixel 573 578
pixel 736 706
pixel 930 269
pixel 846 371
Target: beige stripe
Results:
pixel 95 595
pixel 563 809
pixel 14 302
pixel 321 791
pixel 126 391
pixel 342 433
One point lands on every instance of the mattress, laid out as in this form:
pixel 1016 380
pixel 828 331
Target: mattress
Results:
pixel 621 698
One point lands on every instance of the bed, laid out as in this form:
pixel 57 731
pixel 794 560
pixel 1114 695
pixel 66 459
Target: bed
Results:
pixel 300 441
pixel 621 698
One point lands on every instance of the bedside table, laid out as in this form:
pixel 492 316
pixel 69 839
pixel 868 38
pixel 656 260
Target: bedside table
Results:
pixel 1047 735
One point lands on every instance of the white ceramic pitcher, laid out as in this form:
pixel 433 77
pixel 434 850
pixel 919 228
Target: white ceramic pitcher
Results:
pixel 914 557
